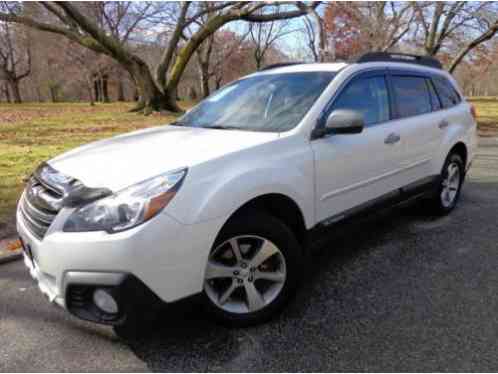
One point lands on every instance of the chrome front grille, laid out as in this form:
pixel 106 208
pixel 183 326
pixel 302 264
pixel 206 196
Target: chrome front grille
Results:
pixel 39 206
pixel 47 192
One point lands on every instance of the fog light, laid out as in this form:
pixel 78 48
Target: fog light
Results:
pixel 104 301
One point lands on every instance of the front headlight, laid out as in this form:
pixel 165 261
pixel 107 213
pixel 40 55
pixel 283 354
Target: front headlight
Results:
pixel 129 207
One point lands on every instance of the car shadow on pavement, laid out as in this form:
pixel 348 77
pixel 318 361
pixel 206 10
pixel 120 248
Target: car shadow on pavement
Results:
pixel 185 339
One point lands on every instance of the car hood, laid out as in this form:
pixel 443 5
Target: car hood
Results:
pixel 130 158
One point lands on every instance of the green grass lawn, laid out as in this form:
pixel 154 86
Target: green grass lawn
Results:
pixel 32 133
pixel 487 115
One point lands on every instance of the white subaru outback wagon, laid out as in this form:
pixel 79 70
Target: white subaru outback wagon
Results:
pixel 223 202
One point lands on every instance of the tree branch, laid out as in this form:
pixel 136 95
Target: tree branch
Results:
pixel 303 9
pixel 487 35
pixel 167 56
pixel 108 44
pixel 82 40
pixel 52 9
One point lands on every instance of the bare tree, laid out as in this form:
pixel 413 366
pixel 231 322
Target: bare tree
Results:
pixel 354 28
pixel 15 59
pixel 484 36
pixel 124 20
pixel 203 61
pixel 264 36
pixel 316 39
pixel 205 50
pixel 159 92
pixel 88 68
pixel 443 25
pixel 438 21
pixel 228 56
pixel 385 23
pixel 6 92
pixel 212 53
pixel 311 37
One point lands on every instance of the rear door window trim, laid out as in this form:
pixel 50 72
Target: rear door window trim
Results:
pixel 451 85
pixel 408 74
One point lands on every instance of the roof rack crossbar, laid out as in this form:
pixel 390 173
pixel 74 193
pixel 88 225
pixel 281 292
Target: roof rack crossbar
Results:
pixel 400 57
pixel 280 65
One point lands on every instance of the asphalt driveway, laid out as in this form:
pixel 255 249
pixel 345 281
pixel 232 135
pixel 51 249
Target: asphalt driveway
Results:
pixel 404 292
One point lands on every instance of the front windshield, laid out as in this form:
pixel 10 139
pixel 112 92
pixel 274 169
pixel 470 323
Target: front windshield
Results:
pixel 269 102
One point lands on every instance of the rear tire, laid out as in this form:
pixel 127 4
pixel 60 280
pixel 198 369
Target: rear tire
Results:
pixel 450 186
pixel 261 264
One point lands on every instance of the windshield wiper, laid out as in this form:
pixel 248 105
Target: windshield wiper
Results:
pixel 176 123
pixel 221 127
pixel 216 127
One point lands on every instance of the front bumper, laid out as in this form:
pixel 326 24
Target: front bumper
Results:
pixel 163 258
pixel 79 287
pixel 45 283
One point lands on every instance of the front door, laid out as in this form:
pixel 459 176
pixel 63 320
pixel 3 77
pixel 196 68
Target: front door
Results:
pixel 354 169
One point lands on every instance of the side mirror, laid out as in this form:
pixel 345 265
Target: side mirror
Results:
pixel 342 121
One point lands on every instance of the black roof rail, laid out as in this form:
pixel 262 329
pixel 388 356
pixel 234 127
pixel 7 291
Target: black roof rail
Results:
pixel 280 65
pixel 400 57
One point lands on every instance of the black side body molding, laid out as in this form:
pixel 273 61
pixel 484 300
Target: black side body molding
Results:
pixel 420 189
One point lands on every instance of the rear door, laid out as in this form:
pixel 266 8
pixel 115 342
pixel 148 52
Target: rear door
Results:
pixel 450 99
pixel 418 122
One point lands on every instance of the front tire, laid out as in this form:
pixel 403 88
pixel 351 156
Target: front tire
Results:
pixel 253 269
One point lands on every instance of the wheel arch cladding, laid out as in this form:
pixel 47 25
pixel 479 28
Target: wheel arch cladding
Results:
pixel 461 149
pixel 279 206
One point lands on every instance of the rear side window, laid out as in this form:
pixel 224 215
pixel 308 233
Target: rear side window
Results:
pixel 368 96
pixel 447 93
pixel 411 95
pixel 436 104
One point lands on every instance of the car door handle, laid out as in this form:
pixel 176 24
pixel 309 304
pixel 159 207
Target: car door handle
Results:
pixel 443 124
pixel 393 138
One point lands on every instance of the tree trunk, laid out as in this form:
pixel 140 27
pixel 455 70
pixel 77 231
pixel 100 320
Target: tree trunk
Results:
pixel 38 93
pixel 258 58
pixel 186 52
pixel 150 97
pixel 192 93
pixel 96 90
pixel 204 81
pixel 7 93
pixel 16 94
pixel 99 89
pixel 105 89
pixel 53 93
pixel 120 88
pixel 90 88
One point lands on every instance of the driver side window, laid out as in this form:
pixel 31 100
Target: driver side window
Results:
pixel 368 96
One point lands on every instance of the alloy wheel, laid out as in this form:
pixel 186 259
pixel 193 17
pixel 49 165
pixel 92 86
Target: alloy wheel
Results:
pixel 450 184
pixel 244 274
